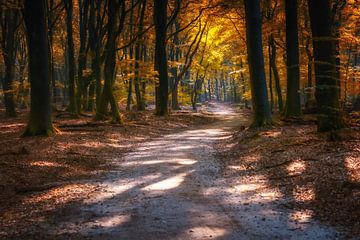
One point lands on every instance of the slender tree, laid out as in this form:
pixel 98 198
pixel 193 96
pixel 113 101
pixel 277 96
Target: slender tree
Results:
pixel 262 114
pixel 160 19
pixel 114 28
pixel 40 122
pixel 9 18
pixel 293 107
pixel 327 88
pixel 68 4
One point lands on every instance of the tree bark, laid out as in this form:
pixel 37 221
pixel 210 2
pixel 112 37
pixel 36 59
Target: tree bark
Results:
pixel 71 57
pixel 327 88
pixel 293 106
pixel 262 114
pixel 40 122
pixel 9 30
pixel 160 19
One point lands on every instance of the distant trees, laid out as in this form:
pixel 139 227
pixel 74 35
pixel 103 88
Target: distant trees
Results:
pixel 40 119
pixel 262 114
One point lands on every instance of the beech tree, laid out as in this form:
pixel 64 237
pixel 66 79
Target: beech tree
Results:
pixel 293 107
pixel 40 120
pixel 160 19
pixel 262 114
pixel 327 87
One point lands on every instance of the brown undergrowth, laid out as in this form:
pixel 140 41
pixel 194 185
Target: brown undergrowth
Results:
pixel 40 175
pixel 315 174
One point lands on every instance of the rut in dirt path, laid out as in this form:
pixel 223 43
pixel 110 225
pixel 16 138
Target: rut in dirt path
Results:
pixel 171 188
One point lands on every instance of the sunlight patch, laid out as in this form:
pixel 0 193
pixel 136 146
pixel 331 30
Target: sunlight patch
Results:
pixel 301 216
pixel 111 221
pixel 206 232
pixel 303 194
pixel 296 167
pixel 167 184
pixel 46 164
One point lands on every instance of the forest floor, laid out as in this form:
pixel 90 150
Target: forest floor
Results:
pixel 189 176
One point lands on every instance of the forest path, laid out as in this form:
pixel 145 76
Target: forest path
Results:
pixel 171 188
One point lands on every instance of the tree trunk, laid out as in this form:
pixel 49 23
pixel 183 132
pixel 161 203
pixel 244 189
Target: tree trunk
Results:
pixel 293 106
pixel 276 73
pixel 40 122
pixel 160 19
pixel 262 114
pixel 327 88
pixel 71 57
pixel 9 52
pixel 109 69
pixel 139 98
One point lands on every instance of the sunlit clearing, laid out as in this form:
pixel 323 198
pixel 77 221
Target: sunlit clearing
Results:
pixel 167 184
pixel 112 221
pixel 296 167
pixel 303 194
pixel 46 164
pixel 301 216
pixel 206 232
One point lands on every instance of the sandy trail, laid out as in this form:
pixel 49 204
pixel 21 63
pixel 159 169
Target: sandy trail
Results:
pixel 171 188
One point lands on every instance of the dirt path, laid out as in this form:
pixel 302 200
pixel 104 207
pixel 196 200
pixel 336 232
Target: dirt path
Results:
pixel 171 188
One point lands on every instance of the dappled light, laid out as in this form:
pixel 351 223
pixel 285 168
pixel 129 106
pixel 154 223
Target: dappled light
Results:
pixel 179 119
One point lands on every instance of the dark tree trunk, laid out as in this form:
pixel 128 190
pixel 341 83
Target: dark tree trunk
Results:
pixel 293 106
pixel 40 122
pixel 327 88
pixel 71 57
pixel 262 114
pixel 82 58
pixel 160 19
pixel 10 21
pixel 94 44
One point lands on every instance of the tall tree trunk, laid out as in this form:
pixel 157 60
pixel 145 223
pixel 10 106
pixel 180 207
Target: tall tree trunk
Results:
pixel 262 114
pixel 40 122
pixel 160 19
pixel 293 106
pixel 131 55
pixel 139 98
pixel 71 57
pixel 82 58
pixel 11 20
pixel 327 89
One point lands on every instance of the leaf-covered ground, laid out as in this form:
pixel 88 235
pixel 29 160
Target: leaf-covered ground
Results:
pixel 318 176
pixel 40 175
